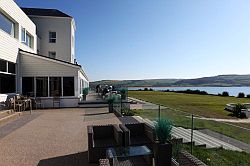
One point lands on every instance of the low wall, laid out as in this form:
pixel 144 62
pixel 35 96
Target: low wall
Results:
pixel 64 102
pixel 186 159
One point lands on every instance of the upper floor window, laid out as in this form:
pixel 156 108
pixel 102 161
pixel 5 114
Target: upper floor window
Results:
pixel 52 54
pixel 29 40
pixel 26 38
pixel 52 37
pixel 23 35
pixel 7 25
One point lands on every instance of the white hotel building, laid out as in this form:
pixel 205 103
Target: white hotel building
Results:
pixel 37 54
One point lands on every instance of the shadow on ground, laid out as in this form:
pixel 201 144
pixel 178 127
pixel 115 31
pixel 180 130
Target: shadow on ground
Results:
pixel 77 159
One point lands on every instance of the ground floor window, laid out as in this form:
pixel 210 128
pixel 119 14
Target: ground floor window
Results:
pixel 7 83
pixel 68 86
pixel 28 86
pixel 3 65
pixel 41 86
pixel 55 86
pixel 48 86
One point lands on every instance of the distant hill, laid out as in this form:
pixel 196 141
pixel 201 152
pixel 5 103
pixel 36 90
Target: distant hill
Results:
pixel 220 80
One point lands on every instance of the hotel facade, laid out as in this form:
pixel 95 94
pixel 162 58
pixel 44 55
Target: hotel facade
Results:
pixel 37 54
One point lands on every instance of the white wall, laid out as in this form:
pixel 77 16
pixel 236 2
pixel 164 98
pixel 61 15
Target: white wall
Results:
pixel 63 28
pixel 9 45
pixel 42 66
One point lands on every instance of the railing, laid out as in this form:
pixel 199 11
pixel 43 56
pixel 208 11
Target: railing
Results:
pixel 200 135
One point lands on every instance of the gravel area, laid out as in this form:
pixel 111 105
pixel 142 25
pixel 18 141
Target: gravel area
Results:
pixel 55 137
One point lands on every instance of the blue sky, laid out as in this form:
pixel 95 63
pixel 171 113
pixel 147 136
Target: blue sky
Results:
pixel 144 39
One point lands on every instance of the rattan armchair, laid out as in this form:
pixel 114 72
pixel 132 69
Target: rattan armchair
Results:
pixel 100 138
pixel 135 134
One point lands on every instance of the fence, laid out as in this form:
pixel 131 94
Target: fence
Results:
pixel 203 137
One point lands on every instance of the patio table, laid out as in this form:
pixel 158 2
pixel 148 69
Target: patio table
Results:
pixel 131 155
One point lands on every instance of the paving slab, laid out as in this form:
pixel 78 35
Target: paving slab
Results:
pixel 53 138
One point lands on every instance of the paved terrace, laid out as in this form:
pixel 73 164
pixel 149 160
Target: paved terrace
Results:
pixel 50 137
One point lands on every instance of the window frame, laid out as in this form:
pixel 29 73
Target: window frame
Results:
pixel 13 30
pixel 52 38
pixel 52 54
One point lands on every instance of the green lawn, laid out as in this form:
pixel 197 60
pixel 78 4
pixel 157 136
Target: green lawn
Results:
pixel 204 105
pixel 183 119
pixel 221 157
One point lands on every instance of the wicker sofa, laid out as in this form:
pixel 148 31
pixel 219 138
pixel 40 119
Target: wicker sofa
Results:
pixel 100 138
pixel 135 134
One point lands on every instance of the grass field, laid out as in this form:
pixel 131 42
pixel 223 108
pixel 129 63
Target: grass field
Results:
pixel 203 105
pixel 215 157
pixel 183 119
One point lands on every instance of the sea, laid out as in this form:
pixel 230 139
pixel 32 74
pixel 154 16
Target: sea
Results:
pixel 233 91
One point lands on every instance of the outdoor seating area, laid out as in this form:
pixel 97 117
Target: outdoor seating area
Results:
pixel 125 144
pixel 18 103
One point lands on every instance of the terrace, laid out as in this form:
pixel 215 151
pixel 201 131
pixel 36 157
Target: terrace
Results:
pixel 59 136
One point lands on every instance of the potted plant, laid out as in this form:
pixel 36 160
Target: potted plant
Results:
pixel 162 146
pixel 111 100
pixel 123 94
pixel 85 92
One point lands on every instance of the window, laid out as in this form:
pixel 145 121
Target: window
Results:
pixel 23 35
pixel 7 83
pixel 52 54
pixel 28 86
pixel 3 66
pixel 68 86
pixel 7 25
pixel 42 86
pixel 52 37
pixel 26 38
pixel 55 87
pixel 11 68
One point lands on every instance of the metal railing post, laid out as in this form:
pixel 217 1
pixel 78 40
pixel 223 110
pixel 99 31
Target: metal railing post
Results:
pixel 159 112
pixel 192 132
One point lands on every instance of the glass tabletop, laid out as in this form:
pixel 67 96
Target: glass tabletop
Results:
pixel 129 151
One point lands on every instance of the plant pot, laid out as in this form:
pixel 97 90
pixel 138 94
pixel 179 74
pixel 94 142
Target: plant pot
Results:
pixel 162 154
pixel 111 108
pixel 84 97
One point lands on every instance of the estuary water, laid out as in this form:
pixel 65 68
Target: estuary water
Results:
pixel 233 91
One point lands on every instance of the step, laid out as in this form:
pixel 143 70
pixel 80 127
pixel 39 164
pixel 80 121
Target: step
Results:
pixel 183 132
pixel 9 118
pixel 217 141
pixel 92 105
pixel 5 113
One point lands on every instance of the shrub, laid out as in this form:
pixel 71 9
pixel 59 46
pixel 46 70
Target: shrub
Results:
pixel 241 95
pixel 248 96
pixel 128 112
pixel 237 110
pixel 85 91
pixel 145 89
pixel 111 98
pixel 123 94
pixel 163 128
pixel 151 89
pixel 225 93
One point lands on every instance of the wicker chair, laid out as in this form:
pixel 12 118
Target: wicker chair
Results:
pixel 100 138
pixel 136 134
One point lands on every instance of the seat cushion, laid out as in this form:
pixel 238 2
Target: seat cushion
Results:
pixel 136 129
pixel 103 132
pixel 140 140
pixel 105 143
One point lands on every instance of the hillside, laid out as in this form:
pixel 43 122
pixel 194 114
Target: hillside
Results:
pixel 221 80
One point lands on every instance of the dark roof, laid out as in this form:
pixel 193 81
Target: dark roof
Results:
pixel 44 12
